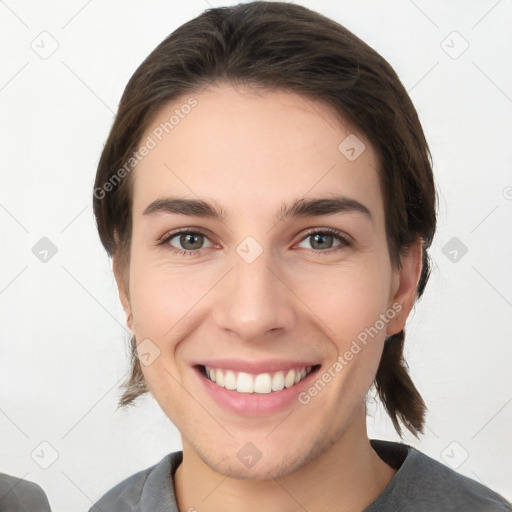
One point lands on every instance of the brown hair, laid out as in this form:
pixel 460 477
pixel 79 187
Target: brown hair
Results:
pixel 282 46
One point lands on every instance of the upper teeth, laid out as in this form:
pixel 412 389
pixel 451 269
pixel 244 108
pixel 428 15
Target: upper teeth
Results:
pixel 261 383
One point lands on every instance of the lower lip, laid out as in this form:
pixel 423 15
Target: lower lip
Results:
pixel 255 404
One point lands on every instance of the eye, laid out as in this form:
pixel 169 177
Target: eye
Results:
pixel 322 240
pixel 188 242
pixel 185 241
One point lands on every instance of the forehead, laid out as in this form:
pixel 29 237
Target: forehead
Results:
pixel 244 148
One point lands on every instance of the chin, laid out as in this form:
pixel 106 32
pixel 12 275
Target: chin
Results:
pixel 261 470
pixel 273 462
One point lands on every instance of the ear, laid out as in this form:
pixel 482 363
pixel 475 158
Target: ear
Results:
pixel 121 276
pixel 405 283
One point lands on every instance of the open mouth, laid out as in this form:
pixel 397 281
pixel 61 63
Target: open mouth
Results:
pixel 261 383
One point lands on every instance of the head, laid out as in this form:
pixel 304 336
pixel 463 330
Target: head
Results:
pixel 249 109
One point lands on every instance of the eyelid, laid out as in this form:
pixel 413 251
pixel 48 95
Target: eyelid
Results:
pixel 345 240
pixel 331 231
pixel 172 233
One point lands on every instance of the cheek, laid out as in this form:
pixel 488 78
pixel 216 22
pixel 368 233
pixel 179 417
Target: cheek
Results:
pixel 343 302
pixel 349 308
pixel 162 304
pixel 164 300
pixel 347 301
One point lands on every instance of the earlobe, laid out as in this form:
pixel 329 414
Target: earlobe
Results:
pixel 122 286
pixel 408 279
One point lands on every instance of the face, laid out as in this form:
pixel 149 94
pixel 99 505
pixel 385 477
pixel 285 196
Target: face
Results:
pixel 269 300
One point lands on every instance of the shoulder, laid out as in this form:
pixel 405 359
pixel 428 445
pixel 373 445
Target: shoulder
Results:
pixel 425 484
pixel 16 493
pixel 149 489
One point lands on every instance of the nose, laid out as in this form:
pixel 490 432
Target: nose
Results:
pixel 254 300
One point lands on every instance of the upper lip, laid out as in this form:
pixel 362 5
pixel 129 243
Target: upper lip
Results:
pixel 255 367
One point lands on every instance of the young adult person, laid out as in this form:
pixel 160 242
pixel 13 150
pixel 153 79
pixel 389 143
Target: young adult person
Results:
pixel 266 193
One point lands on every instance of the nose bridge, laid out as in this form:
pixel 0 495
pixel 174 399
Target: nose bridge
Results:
pixel 254 301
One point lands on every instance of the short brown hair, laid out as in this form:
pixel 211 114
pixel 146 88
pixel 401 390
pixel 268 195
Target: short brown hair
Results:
pixel 282 46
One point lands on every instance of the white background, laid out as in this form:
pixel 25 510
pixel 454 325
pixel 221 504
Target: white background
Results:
pixel 63 345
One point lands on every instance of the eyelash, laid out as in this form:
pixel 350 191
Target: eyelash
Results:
pixel 341 237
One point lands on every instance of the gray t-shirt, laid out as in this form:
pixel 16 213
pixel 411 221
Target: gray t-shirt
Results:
pixel 421 484
pixel 18 495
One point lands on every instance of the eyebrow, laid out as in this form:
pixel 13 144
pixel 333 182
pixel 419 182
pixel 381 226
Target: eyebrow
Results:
pixel 299 208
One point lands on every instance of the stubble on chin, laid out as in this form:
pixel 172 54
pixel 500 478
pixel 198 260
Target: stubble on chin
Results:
pixel 269 466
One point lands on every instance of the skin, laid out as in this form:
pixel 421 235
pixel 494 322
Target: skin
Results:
pixel 250 153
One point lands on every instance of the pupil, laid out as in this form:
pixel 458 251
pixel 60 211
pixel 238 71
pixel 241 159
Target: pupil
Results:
pixel 322 238
pixel 187 238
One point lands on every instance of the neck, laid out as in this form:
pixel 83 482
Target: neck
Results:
pixel 347 477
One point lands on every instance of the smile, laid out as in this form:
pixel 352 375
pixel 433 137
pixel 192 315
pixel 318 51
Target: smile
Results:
pixel 262 383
